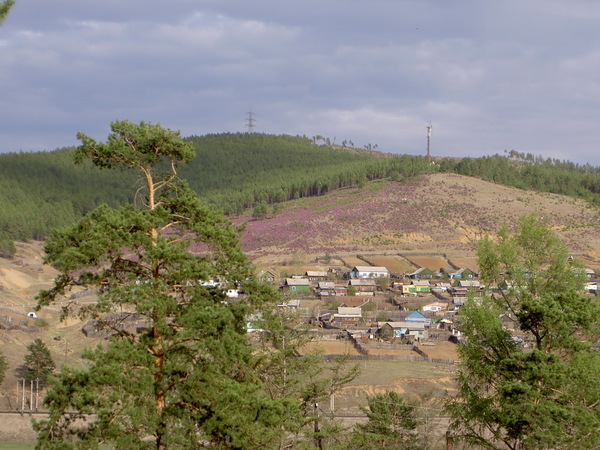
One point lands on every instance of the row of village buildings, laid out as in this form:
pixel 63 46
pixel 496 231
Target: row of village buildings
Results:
pixel 369 280
pixel 363 280
pixel 449 288
pixel 362 284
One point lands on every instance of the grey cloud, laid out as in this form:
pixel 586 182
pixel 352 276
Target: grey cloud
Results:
pixel 489 75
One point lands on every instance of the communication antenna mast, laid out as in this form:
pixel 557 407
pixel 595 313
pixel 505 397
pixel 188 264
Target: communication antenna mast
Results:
pixel 250 121
pixel 428 127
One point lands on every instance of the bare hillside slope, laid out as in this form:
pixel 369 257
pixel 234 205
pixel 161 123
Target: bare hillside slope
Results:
pixel 442 213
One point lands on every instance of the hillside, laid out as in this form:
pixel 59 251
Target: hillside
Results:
pixel 436 213
pixel 234 171
pixel 440 213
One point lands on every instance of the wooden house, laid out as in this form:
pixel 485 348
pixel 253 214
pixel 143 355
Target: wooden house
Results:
pixel 326 289
pixel 347 315
pixel 471 285
pixel 458 274
pixel 300 286
pixel 363 286
pixel 266 276
pixel 315 275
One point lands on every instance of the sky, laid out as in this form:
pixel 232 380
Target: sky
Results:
pixel 489 75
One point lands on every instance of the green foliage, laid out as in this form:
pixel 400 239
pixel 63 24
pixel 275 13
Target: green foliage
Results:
pixel 309 380
pixel 391 424
pixel 38 363
pixel 42 191
pixel 260 211
pixel 41 323
pixel 5 8
pixel 535 173
pixel 383 283
pixel 190 376
pixel 7 248
pixel 3 366
pixel 543 397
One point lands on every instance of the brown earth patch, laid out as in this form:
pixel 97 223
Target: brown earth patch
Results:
pixel 395 264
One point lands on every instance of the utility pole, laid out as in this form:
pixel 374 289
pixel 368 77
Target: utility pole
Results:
pixel 428 127
pixel 250 121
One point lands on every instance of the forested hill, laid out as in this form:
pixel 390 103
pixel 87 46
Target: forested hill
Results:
pixel 41 191
pixel 236 171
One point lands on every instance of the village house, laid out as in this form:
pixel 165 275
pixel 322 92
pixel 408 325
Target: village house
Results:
pixel 445 323
pixel 471 285
pixel 458 274
pixel 590 274
pixel 442 287
pixel 290 304
pixel 369 272
pixel 266 276
pixel 315 275
pixel 330 289
pixel 417 317
pixel 402 330
pixel 326 289
pixel 363 286
pixel 463 289
pixel 347 315
pixel 300 286
pixel 416 287
pixel 509 322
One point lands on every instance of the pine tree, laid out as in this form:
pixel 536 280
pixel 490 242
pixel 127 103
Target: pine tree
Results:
pixel 5 7
pixel 38 363
pixel 187 376
pixel 3 366
pixel 391 424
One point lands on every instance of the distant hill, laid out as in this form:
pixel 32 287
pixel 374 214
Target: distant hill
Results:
pixel 236 171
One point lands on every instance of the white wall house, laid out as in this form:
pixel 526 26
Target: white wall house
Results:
pixel 369 272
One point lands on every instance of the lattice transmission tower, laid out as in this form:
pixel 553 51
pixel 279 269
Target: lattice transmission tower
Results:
pixel 250 121
pixel 429 127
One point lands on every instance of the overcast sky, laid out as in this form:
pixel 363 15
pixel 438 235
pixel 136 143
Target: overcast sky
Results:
pixel 490 75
